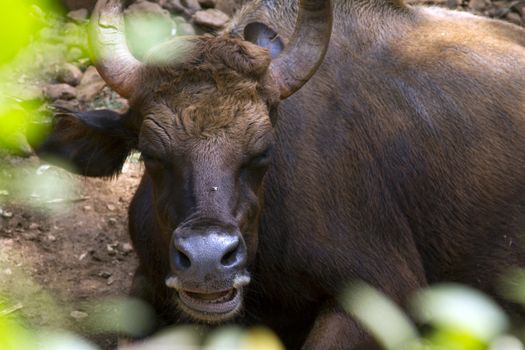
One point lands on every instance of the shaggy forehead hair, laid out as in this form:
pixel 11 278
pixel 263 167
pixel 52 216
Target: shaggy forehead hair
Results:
pixel 210 83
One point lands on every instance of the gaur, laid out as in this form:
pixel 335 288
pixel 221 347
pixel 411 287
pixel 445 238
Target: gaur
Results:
pixel 400 162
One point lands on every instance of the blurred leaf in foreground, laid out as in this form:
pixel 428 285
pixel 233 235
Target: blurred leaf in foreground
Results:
pixel 60 340
pixel 13 336
pixel 382 317
pixel 21 125
pixel 235 338
pixel 506 342
pixel 42 186
pixel 125 316
pixel 460 313
pixel 16 26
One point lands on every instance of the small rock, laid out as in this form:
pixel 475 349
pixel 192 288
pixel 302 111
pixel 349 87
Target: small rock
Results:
pixel 70 74
pixel 515 18
pixel 105 274
pixel 8 272
pixel 110 281
pixel 126 248
pixel 227 6
pixel 191 5
pixel 71 104
pixel 30 236
pixel 211 18
pixel 51 238
pixel 33 226
pixel 6 214
pixel 478 5
pixel 453 4
pixel 90 76
pixel 44 227
pixel 520 8
pixel 87 208
pixel 142 7
pixel 78 16
pixel 59 91
pixel 82 256
pixel 173 6
pixel 111 207
pixel 111 250
pixel 78 315
pixel 90 84
pixel 499 12
pixel 77 4
pixel 112 221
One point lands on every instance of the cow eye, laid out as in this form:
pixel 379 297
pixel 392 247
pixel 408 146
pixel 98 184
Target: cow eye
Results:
pixel 148 158
pixel 152 160
pixel 259 161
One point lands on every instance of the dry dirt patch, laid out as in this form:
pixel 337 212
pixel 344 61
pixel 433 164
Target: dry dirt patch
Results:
pixel 53 260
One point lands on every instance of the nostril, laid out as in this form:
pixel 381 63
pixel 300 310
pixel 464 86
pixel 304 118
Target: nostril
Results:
pixel 231 256
pixel 182 262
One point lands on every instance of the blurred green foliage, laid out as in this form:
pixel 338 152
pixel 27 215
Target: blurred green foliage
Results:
pixel 456 317
pixel 13 335
pixel 17 24
pixel 20 20
pixel 35 40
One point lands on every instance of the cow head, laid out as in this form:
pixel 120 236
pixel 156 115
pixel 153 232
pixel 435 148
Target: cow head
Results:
pixel 202 119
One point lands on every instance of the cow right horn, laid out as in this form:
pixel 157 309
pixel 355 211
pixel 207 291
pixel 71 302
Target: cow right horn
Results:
pixel 307 46
pixel 111 54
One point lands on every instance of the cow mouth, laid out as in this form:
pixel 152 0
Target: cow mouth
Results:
pixel 210 306
pixel 223 303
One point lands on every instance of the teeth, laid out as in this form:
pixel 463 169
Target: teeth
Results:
pixel 226 297
pixel 203 298
pixel 224 303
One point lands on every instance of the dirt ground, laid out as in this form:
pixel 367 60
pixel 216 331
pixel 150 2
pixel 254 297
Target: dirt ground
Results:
pixel 70 249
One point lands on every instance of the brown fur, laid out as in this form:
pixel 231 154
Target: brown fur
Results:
pixel 400 163
pixel 412 133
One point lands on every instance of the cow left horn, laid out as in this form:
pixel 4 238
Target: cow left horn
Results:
pixel 307 47
pixel 112 57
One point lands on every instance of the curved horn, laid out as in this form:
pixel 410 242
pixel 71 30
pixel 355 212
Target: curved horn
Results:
pixel 112 57
pixel 307 47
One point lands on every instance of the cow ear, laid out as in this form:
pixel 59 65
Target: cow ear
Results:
pixel 95 143
pixel 263 36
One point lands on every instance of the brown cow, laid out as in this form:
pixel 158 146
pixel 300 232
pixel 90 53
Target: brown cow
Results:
pixel 401 162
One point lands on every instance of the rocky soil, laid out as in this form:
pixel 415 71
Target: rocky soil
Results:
pixel 72 247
